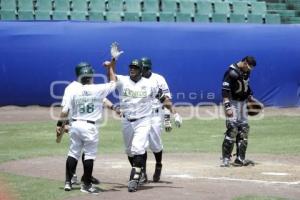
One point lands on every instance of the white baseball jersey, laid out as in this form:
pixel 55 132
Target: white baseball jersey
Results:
pixel 136 106
pixel 135 97
pixel 86 101
pixel 69 90
pixel 155 141
pixel 160 82
pixel 85 104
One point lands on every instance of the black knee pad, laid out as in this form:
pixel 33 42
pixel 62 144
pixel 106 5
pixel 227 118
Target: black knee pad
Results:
pixel 243 131
pixel 232 130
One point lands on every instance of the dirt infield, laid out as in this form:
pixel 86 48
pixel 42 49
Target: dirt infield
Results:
pixel 185 176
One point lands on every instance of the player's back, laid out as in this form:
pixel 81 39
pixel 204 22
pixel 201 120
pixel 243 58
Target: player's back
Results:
pixel 87 101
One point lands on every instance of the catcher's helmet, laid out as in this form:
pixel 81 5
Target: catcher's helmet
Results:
pixel 136 63
pixel 146 63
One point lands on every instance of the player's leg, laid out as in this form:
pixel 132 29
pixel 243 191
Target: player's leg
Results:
pixel 156 145
pixel 230 136
pixel 90 147
pixel 73 156
pixel 139 142
pixel 93 179
pixel 242 144
pixel 127 131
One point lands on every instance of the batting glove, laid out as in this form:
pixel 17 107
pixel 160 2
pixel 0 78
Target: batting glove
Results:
pixel 115 51
pixel 167 123
pixel 178 120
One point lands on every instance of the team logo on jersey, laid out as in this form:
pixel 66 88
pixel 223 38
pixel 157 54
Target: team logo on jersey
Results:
pixel 136 94
pixel 86 93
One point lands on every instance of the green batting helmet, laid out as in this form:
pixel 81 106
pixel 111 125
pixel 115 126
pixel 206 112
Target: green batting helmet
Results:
pixel 146 63
pixel 136 63
pixel 84 69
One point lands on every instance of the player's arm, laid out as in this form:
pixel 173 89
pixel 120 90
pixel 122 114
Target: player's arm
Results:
pixel 108 104
pixel 229 77
pixel 61 125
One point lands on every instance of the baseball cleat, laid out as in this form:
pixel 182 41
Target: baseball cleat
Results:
pixel 132 186
pixel 74 180
pixel 68 186
pixel 225 162
pixel 157 172
pixel 89 189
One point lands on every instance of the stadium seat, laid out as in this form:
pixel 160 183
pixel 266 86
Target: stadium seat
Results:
pixel 251 18
pixel 187 6
pixel 79 5
pixel 151 6
pixel 258 8
pixel 272 19
pixel 204 8
pixel 204 18
pixel 220 18
pixel 237 18
pixel 148 17
pixel 240 7
pixel 78 15
pixel 8 5
pixel 222 8
pixel 60 15
pixel 62 5
pixel 25 5
pixel 25 15
pixel 8 14
pixel 113 16
pixel 169 6
pixel 133 6
pixel 166 17
pixel 183 17
pixel 44 5
pixel 115 5
pixel 132 16
pixel 97 6
pixel 96 16
pixel 42 15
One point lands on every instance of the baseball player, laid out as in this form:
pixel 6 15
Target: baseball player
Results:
pixel 67 92
pixel 85 107
pixel 236 92
pixel 155 141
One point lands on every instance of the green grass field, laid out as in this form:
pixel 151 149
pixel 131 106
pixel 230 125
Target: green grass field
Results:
pixel 272 135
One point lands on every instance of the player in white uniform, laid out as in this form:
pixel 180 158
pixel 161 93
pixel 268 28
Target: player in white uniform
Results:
pixel 155 141
pixel 85 107
pixel 135 94
pixel 68 91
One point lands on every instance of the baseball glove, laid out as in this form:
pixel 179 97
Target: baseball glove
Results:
pixel 254 107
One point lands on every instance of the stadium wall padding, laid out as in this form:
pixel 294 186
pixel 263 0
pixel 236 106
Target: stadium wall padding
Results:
pixel 191 56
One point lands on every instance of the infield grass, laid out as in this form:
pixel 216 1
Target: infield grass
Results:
pixel 275 135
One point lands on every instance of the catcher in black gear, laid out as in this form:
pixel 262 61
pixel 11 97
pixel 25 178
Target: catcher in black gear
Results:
pixel 236 93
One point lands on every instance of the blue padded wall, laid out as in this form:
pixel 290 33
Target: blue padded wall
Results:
pixel 191 56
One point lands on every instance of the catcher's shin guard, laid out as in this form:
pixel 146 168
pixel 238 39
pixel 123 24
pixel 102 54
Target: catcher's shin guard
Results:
pixel 242 141
pixel 227 148
pixel 241 149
